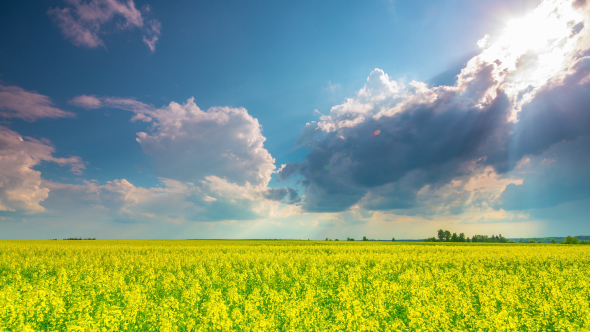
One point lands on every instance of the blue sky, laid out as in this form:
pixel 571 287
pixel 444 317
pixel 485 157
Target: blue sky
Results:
pixel 293 120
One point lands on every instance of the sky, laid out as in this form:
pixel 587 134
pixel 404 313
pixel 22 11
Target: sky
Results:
pixel 294 120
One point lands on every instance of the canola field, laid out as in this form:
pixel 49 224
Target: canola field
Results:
pixel 292 286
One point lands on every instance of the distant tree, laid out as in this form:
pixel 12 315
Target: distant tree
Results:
pixel 447 236
pixel 454 238
pixel 349 239
pixel 441 235
pixel 327 239
pixel 532 241
pixel 365 238
pixel 467 239
pixel 553 241
pixel 481 238
pixel 430 239
pixel 392 239
pixel 571 240
pixel 462 237
pixel 336 240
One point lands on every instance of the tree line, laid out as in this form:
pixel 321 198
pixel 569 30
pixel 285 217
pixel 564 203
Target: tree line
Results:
pixel 446 236
pixel 77 238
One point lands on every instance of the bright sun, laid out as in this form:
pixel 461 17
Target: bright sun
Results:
pixel 534 49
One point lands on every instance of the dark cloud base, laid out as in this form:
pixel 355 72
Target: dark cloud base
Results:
pixel 433 143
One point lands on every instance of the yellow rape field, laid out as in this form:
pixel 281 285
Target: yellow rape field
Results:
pixel 292 286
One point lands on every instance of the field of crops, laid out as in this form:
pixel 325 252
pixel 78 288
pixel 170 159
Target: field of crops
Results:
pixel 292 286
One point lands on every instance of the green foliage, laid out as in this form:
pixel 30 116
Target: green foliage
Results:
pixel 550 239
pixel 365 238
pixel 393 239
pixel 571 240
pixel 492 239
pixel 447 236
pixel 349 239
pixel 79 238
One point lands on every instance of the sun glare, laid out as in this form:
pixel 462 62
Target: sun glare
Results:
pixel 534 32
pixel 533 49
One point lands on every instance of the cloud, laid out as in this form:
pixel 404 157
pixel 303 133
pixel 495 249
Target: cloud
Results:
pixel 308 134
pixel 152 34
pixel 381 148
pixel 16 102
pixel 20 185
pixel 85 101
pixel 403 151
pixel 436 136
pixel 213 199
pixel 142 111
pixel 83 22
pixel 189 144
pixel 557 176
pixel 557 113
pixel 332 87
pixel 119 201
pixel 278 194
pixel 219 153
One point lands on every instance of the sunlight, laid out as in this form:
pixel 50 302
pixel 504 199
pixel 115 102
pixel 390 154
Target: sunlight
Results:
pixel 533 49
pixel 534 32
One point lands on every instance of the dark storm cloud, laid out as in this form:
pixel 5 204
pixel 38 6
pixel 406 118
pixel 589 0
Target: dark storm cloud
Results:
pixel 561 176
pixel 434 139
pixel 558 113
pixel 278 194
pixel 288 170
pixel 433 143
pixel 308 134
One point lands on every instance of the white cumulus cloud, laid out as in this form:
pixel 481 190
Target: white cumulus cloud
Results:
pixel 216 156
pixel 21 186
pixel 189 144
